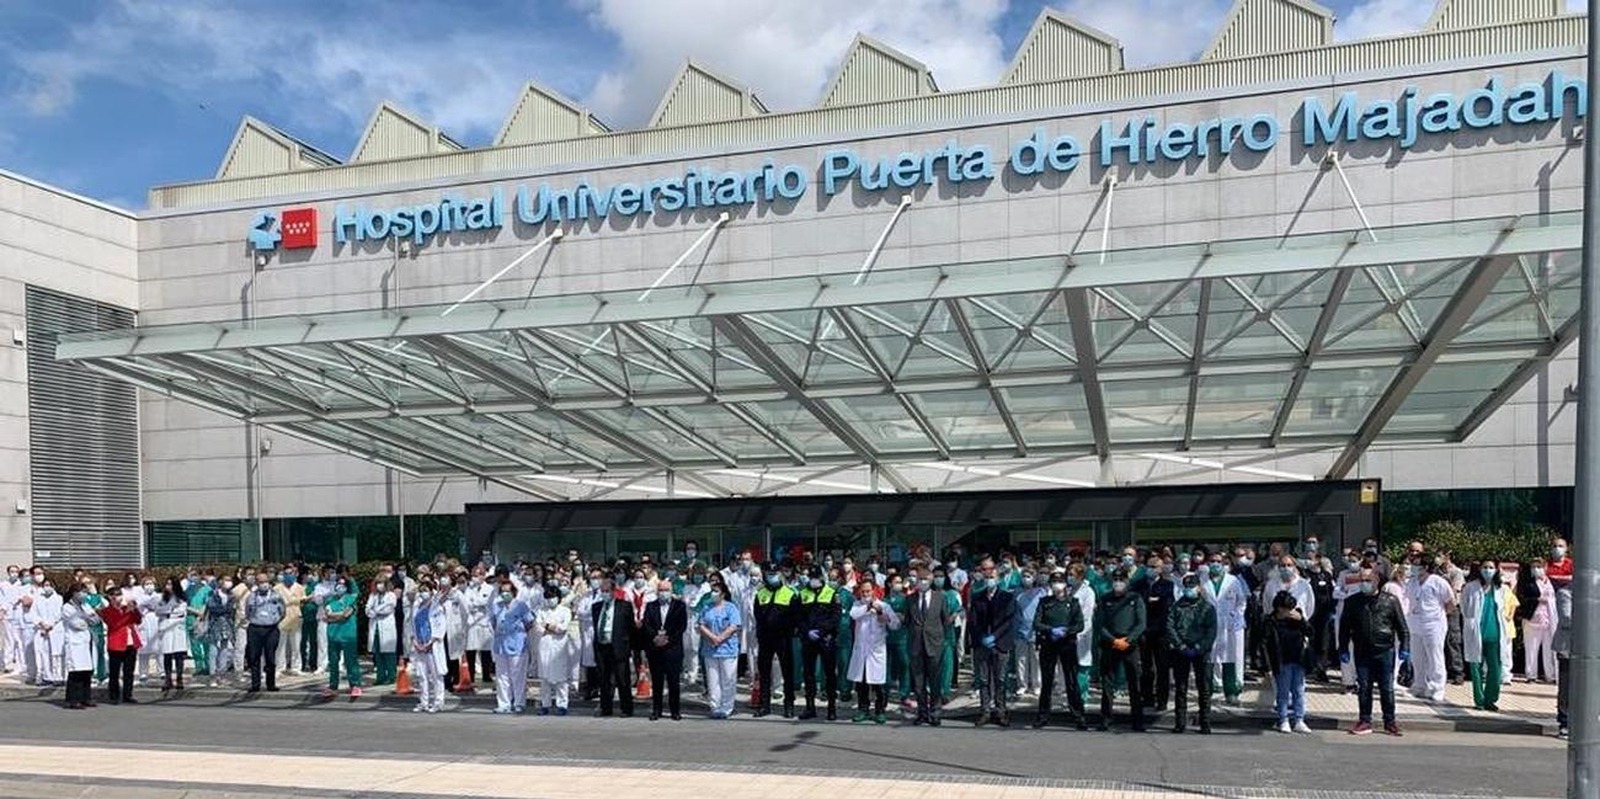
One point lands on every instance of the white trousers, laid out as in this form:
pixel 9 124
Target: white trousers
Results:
pixel 322 650
pixel 289 650
pixel 691 654
pixel 16 652
pixel 430 678
pixel 1536 647
pixel 241 634
pixel 511 682
pixel 722 681
pixel 48 651
pixel 1027 666
pixel 1505 659
pixel 1427 660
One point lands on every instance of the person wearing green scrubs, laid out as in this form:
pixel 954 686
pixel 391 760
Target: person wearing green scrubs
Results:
pixel 1483 604
pixel 899 643
pixel 952 634
pixel 199 647
pixel 846 640
pixel 340 616
pixel 95 600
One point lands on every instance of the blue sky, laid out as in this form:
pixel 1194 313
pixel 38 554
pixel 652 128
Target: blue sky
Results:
pixel 110 97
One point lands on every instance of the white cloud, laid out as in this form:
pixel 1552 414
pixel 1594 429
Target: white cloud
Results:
pixel 1383 18
pixel 784 50
pixel 1153 31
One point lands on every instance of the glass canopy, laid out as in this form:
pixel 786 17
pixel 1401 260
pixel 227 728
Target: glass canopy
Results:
pixel 1336 340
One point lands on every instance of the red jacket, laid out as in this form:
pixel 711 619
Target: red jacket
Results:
pixel 1560 571
pixel 122 628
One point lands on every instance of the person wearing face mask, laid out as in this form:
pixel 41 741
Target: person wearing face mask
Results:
pixel 339 617
pixel 1288 645
pixel 1119 627
pixel 993 628
pixel 219 629
pixel 1317 571
pixel 1559 568
pixel 383 630
pixel 476 597
pixel 1286 577
pixel 198 624
pixel 147 597
pixel 929 621
pixel 13 653
pixel 1347 584
pixel 1157 588
pixel 77 623
pixel 244 581
pixel 719 638
pixel 121 620
pixel 1372 632
pixel 613 636
pixel 554 622
pixel 664 624
pixel 426 650
pixel 293 595
pixel 777 613
pixel 1486 619
pixel 173 633
pixel 1430 599
pixel 1230 599
pixel 1191 637
pixel 510 620
pixel 871 618
pixel 263 610
pixel 1537 610
pixel 817 626
pixel 1022 667
pixel 93 600
pixel 696 599
pixel 899 684
pixel 1056 625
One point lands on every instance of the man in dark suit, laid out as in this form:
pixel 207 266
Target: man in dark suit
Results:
pixel 992 626
pixel 927 617
pixel 613 641
pixel 665 622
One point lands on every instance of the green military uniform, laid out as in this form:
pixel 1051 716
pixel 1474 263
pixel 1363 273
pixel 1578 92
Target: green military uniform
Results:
pixel 1191 632
pixel 899 650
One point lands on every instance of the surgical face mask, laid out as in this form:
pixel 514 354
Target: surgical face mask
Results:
pixel 1538 571
pixel 691 553
pixel 1164 569
pixel 262 588
pixel 1216 569
pixel 1311 547
pixel 952 565
pixel 1119 587
pixel 38 578
pixel 424 596
pixel 594 584
pixel 1286 573
pixel 638 583
pixel 1558 552
pixel 697 579
pixel 47 591
pixel 339 589
pixel 1127 560
pixel 1027 581
pixel 227 585
pixel 506 596
pixel 816 584
pixel 444 582
pixel 774 580
pixel 1369 587
pixel 1190 593
pixel 990 583
pixel 1372 549
pixel 149 587
pixel 716 595
pixel 1059 588
pixel 663 598
pixel 1413 570
pixel 288 579
pixel 1245 561
pixel 672 573
pixel 1352 562
pixel 1488 573
pixel 897 587
pixel 938 582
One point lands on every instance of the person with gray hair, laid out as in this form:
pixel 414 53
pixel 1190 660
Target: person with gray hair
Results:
pixel 1562 644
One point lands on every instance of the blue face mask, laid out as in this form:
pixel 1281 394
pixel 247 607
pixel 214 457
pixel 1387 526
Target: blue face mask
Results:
pixel 1216 569
pixel 288 579
pixel 1191 593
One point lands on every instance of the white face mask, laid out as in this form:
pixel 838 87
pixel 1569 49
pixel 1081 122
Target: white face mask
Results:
pixel 663 598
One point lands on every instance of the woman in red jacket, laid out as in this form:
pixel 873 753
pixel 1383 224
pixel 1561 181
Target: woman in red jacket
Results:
pixel 121 615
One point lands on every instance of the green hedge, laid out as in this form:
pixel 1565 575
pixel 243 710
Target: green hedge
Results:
pixel 1468 543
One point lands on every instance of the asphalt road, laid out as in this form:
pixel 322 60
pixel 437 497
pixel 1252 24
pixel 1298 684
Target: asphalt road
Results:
pixel 1429 763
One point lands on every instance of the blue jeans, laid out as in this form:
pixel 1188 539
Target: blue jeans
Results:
pixel 1377 667
pixel 1291 683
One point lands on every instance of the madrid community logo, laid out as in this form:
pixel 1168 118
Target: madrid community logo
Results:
pixel 292 229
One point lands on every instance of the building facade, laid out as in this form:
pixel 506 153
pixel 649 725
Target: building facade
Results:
pixel 1291 260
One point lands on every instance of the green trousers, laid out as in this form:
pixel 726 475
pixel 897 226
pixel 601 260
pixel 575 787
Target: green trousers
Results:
pixel 199 650
pixel 1486 676
pixel 99 652
pixel 947 669
pixel 384 666
pixel 1231 685
pixel 900 667
pixel 346 651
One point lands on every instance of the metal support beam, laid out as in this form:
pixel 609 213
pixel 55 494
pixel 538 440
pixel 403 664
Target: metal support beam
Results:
pixel 1479 283
pixel 1319 335
pixel 969 338
pixel 572 364
pixel 546 440
pixel 738 332
pixel 481 442
pixel 477 470
pixel 859 341
pixel 210 372
pixel 356 354
pixel 282 363
pixel 1078 319
pixel 1197 357
pixel 1564 335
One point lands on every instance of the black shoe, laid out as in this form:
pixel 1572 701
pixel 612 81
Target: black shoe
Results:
pixel 627 714
pixel 1081 723
pixel 128 700
pixel 833 715
pixel 273 689
pixel 1205 728
pixel 788 711
pixel 677 717
pixel 808 714
pixel 1178 730
pixel 1002 719
pixel 918 721
pixel 982 721
pixel 1040 722
pixel 934 721
pixel 254 689
pixel 1103 726
pixel 762 713
pixel 655 716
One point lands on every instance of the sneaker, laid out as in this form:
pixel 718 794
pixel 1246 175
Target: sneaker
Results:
pixel 1563 732
pixel 1283 727
pixel 423 708
pixel 355 692
pixel 1362 728
pixel 1393 729
pixel 433 708
pixel 1300 727
pixel 561 711
pixel 327 693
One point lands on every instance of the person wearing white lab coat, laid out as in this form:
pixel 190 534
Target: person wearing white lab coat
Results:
pixel 1430 598
pixel 77 624
pixel 1345 585
pixel 452 601
pixel 172 632
pixel 1229 596
pixel 742 579
pixel 1286 577
pixel 13 653
pixel 1083 591
pixel 1482 628
pixel 554 623
pixel 477 596
pixel 571 599
pixel 43 617
pixel 426 623
pixel 583 609
pixel 693 593
pixel 383 634
pixel 146 597
pixel 871 619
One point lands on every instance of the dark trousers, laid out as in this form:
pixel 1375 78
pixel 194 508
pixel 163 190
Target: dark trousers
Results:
pixel 880 697
pixel 452 673
pixel 1155 677
pixel 172 667
pixel 1065 655
pixel 1563 688
pixel 766 649
pixel 1376 667
pixel 78 687
pixel 665 667
pixel 615 678
pixel 1321 642
pixel 119 687
pixel 261 644
pixel 1254 654
pixel 925 671
pixel 308 644
pixel 1126 662
pixel 810 653
pixel 1182 667
pixel 990 665
pixel 486 658
pixel 1455 656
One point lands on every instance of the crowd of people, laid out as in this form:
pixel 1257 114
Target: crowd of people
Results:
pixel 817 630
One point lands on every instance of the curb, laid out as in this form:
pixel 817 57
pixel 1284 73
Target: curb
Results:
pixel 307 697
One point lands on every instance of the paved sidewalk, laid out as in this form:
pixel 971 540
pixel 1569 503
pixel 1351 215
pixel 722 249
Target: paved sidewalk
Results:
pixel 1524 709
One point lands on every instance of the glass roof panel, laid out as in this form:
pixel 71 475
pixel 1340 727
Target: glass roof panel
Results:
pixel 1232 405
pixel 1145 410
pixel 1051 415
pixel 801 427
pixel 965 419
pixel 882 422
pixel 1335 400
pixel 1446 394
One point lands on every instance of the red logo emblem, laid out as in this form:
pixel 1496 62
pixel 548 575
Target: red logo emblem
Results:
pixel 299 227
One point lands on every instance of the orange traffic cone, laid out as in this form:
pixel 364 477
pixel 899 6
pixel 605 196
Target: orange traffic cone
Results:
pixel 641 690
pixel 463 679
pixel 402 681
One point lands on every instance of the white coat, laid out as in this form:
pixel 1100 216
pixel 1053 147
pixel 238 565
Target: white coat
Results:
pixel 1085 595
pixel 454 605
pixel 1429 598
pixel 869 652
pixel 477 599
pixel 1472 620
pixel 554 625
pixel 78 622
pixel 583 608
pixel 1231 599
pixel 436 624
pixel 172 635
pixel 381 633
pixel 1305 599
pixel 45 613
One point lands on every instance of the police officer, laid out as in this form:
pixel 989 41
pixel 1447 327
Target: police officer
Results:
pixel 776 608
pixel 818 627
pixel 1056 625
pixel 1191 635
pixel 1120 625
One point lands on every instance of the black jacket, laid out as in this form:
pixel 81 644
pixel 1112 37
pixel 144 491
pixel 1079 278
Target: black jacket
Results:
pixel 1120 617
pixel 1375 623
pixel 622 629
pixel 676 623
pixel 819 610
pixel 1052 613
pixel 777 611
pixel 1157 592
pixel 1192 623
pixel 1322 589
pixel 993 615
pixel 1287 641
